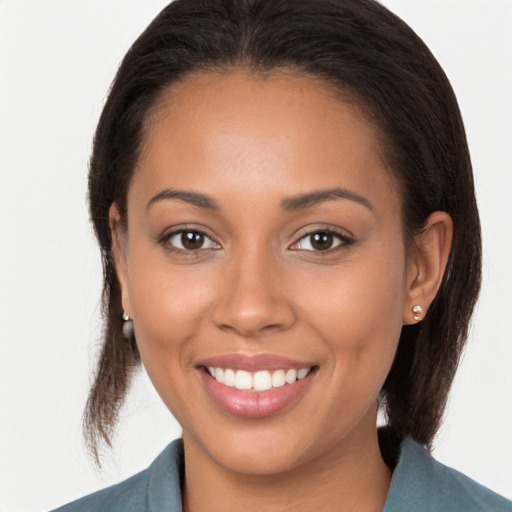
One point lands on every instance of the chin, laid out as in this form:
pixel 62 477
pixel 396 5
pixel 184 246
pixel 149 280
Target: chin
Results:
pixel 258 455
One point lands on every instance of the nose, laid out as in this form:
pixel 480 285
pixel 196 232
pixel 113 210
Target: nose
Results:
pixel 252 299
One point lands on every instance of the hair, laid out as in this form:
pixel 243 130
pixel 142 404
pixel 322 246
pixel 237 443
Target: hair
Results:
pixel 356 46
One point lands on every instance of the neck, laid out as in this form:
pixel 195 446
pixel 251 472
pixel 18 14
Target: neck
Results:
pixel 352 476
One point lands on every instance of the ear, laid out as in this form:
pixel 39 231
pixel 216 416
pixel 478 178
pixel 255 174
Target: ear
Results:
pixel 426 266
pixel 119 253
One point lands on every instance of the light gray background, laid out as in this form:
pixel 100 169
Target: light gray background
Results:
pixel 57 60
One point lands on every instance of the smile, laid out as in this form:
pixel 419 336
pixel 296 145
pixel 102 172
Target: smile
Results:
pixel 257 381
pixel 254 387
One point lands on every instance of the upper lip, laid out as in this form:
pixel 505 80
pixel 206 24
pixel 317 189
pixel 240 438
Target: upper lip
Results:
pixel 254 363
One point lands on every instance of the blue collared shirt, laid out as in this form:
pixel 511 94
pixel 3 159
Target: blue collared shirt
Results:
pixel 419 484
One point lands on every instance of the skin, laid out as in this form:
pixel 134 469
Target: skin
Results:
pixel 258 286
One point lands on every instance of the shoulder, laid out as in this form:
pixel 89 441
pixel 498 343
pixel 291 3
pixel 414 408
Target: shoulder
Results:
pixel 421 482
pixel 126 496
pixel 156 488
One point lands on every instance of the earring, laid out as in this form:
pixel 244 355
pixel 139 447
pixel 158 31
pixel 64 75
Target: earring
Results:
pixel 417 310
pixel 127 326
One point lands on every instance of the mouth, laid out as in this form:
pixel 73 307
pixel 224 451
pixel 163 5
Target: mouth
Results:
pixel 263 380
pixel 255 387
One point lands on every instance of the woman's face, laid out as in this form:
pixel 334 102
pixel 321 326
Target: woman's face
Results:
pixel 264 241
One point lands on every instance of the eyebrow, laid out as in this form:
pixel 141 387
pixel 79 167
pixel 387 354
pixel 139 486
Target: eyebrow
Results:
pixel 194 198
pixel 289 204
pixel 303 201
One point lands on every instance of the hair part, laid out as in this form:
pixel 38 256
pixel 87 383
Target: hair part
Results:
pixel 363 50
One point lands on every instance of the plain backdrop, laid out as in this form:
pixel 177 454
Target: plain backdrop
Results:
pixel 57 60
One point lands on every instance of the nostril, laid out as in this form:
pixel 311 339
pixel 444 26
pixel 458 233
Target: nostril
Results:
pixel 244 317
pixel 251 304
pixel 253 325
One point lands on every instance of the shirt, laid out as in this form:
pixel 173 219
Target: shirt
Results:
pixel 419 484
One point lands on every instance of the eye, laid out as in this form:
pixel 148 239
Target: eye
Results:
pixel 321 241
pixel 189 240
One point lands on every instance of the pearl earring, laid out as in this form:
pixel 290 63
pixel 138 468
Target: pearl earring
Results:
pixel 417 310
pixel 127 326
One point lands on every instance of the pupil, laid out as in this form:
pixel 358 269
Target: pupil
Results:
pixel 322 241
pixel 192 240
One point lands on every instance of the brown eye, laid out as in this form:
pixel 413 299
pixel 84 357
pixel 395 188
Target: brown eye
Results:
pixel 322 241
pixel 190 240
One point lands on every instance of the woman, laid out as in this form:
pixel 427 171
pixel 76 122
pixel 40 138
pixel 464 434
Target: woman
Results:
pixel 283 197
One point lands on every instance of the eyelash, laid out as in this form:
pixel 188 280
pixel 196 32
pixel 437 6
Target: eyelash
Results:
pixel 344 240
pixel 165 241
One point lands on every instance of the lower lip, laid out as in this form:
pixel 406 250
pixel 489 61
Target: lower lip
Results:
pixel 254 404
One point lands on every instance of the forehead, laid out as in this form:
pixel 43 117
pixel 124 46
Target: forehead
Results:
pixel 250 132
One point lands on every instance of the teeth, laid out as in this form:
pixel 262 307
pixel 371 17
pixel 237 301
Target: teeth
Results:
pixel 243 380
pixel 291 376
pixel 229 377
pixel 302 373
pixel 257 381
pixel 262 381
pixel 278 379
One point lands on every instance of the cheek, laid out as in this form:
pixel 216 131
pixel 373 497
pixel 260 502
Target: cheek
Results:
pixel 169 305
pixel 169 309
pixel 356 310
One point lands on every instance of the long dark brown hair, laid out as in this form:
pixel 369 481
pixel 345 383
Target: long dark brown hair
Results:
pixel 359 47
